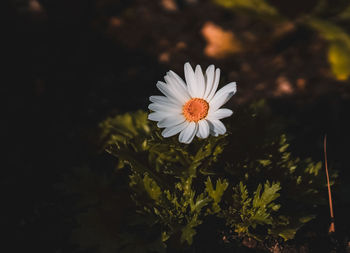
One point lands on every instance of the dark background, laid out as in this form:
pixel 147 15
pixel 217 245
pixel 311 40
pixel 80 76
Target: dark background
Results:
pixel 70 64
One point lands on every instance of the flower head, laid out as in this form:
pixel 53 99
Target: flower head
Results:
pixel 191 108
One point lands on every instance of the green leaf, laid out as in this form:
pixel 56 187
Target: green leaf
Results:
pixel 152 188
pixel 246 212
pixel 345 14
pixel 339 58
pixel 287 227
pixel 219 190
pixel 215 194
pixel 260 7
pixel 269 194
pixel 124 127
pixel 187 234
pixel 339 46
pixel 265 162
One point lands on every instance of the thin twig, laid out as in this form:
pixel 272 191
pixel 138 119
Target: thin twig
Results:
pixel 332 226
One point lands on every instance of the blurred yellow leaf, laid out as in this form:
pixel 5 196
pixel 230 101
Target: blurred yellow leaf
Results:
pixel 220 43
pixel 329 30
pixel 257 6
pixel 345 14
pixel 339 58
pixel 339 47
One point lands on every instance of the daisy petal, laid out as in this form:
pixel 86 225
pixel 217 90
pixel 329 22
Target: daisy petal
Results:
pixel 170 131
pixel 187 135
pixel 220 114
pixel 222 96
pixel 178 79
pixel 203 129
pixel 215 85
pixel 171 120
pixel 179 92
pixel 157 116
pixel 190 80
pixel 216 126
pixel 213 133
pixel 164 108
pixel 168 92
pixel 209 79
pixel 200 82
pixel 160 100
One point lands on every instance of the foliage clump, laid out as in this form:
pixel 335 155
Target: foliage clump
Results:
pixel 249 211
pixel 247 177
pixel 166 191
pixel 168 179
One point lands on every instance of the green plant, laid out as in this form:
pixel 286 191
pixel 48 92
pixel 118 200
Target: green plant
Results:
pixel 172 182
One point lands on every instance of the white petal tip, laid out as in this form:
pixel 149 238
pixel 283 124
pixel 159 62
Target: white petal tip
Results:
pixel 210 68
pixel 165 135
pixel 152 98
pixel 188 66
pixel 234 87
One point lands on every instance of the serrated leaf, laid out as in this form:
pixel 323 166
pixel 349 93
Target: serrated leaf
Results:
pixel 219 190
pixel 151 187
pixel 270 192
pixel 187 235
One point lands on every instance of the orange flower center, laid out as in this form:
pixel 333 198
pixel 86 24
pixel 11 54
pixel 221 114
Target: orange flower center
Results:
pixel 195 109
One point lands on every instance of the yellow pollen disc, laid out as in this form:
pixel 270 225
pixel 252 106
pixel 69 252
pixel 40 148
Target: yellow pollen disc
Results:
pixel 195 109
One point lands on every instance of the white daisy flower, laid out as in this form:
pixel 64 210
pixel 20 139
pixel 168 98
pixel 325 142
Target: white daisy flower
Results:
pixel 191 108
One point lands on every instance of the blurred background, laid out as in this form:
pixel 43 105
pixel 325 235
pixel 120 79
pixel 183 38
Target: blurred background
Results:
pixel 71 64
